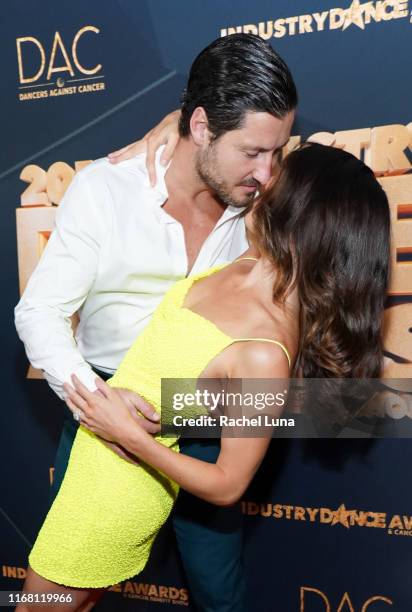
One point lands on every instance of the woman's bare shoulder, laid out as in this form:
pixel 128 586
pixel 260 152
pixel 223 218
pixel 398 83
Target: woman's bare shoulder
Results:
pixel 257 358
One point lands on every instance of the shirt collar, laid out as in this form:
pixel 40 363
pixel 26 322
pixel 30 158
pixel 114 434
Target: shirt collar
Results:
pixel 162 194
pixel 160 188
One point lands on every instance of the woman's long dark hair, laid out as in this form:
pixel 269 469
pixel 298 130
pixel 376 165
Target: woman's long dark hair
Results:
pixel 325 224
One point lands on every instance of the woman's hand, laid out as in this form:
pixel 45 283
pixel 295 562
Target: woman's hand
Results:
pixel 105 413
pixel 165 133
pixel 142 412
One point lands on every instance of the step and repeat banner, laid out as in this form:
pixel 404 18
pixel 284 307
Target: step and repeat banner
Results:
pixel 329 522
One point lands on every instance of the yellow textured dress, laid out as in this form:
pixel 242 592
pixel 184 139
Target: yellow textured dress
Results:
pixel 103 522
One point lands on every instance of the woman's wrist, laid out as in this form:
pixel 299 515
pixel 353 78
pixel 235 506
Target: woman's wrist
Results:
pixel 135 439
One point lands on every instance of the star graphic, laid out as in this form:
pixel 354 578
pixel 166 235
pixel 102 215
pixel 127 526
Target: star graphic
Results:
pixel 341 515
pixel 354 14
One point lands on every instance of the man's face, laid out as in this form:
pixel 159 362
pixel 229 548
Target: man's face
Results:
pixel 236 164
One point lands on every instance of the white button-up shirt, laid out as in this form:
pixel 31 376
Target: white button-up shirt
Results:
pixel 113 254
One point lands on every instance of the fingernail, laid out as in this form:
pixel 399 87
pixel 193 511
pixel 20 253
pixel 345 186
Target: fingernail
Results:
pixel 156 416
pixel 163 162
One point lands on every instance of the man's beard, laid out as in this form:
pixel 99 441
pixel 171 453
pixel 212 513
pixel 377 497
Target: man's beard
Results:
pixel 206 168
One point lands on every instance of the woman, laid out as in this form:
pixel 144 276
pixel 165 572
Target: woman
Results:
pixel 312 302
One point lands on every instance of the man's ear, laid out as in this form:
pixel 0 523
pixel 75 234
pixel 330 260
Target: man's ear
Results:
pixel 199 127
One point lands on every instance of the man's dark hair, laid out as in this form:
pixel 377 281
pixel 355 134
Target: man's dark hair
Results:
pixel 233 75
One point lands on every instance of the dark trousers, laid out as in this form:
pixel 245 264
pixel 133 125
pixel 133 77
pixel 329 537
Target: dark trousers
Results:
pixel 209 537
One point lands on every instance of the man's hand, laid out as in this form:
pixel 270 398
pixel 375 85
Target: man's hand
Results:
pixel 148 419
pixel 165 133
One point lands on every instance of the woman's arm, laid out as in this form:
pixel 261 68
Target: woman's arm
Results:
pixel 222 483
pixel 165 133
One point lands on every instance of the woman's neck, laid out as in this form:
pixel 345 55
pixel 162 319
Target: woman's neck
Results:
pixel 261 278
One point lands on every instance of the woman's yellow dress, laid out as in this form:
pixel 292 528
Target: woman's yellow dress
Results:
pixel 103 522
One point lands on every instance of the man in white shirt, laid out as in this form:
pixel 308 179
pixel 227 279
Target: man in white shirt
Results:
pixel 119 244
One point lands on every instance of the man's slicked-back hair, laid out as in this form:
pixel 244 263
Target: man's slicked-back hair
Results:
pixel 233 75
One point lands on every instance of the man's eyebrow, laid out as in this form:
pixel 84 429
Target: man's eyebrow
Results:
pixel 258 149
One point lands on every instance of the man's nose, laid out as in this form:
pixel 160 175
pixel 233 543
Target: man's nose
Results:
pixel 263 169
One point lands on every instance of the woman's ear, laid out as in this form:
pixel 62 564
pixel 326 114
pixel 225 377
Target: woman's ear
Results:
pixel 199 127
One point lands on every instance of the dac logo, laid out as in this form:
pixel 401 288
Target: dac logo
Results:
pixel 35 66
pixel 57 43
pixel 310 594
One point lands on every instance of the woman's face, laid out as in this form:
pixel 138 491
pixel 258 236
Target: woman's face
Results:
pixel 249 218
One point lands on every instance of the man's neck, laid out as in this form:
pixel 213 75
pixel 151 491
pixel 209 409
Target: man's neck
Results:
pixel 190 201
pixel 185 186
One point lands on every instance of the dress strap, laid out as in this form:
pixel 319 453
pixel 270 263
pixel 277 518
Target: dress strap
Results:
pixel 279 344
pixel 242 258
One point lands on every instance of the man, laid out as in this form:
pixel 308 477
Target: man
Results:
pixel 119 244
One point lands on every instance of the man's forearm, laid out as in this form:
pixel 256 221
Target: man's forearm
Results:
pixel 58 287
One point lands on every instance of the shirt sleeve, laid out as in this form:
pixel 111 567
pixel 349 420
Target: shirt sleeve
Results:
pixel 60 284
